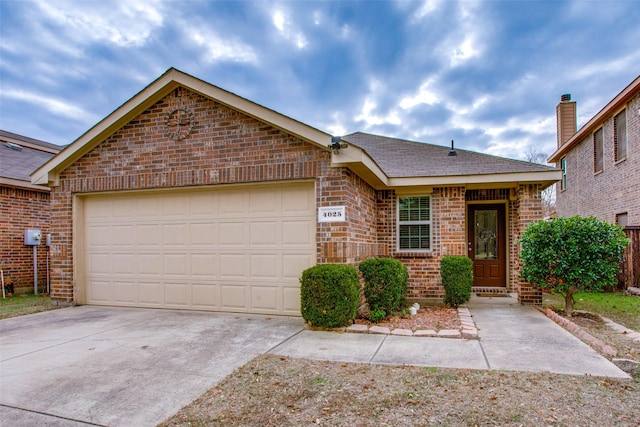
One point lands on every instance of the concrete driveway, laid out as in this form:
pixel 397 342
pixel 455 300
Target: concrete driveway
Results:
pixel 120 366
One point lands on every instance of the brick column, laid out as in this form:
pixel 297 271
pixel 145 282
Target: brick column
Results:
pixel 529 210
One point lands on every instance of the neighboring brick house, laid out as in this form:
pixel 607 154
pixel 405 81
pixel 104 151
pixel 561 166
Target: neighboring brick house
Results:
pixel 23 205
pixel 601 164
pixel 191 197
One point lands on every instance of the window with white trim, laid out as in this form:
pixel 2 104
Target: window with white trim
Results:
pixel 620 136
pixel 563 166
pixel 414 223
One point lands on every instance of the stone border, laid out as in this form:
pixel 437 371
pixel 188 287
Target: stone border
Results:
pixel 579 332
pixel 468 330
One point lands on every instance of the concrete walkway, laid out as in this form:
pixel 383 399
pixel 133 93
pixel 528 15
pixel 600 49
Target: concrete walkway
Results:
pixel 512 337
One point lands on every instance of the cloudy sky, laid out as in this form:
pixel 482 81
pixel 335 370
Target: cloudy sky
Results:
pixel 488 74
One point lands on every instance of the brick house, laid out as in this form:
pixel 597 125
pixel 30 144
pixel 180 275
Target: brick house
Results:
pixel 600 164
pixel 191 197
pixel 23 205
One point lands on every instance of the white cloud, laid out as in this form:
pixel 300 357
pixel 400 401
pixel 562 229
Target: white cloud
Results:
pixel 288 30
pixel 55 106
pixel 120 23
pixel 217 49
pixel 427 8
pixel 368 115
pixel 425 95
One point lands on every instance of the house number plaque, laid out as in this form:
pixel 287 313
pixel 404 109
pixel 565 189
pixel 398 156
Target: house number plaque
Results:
pixel 332 214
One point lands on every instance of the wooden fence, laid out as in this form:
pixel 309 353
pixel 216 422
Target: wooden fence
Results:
pixel 630 266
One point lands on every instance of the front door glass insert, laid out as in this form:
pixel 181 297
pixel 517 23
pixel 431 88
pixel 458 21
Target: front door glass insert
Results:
pixel 486 234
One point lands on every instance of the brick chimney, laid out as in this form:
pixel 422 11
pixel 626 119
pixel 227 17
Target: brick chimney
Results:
pixel 566 119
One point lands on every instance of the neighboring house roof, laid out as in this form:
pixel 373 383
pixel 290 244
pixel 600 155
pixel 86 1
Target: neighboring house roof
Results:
pixel 20 156
pixel 382 162
pixel 616 103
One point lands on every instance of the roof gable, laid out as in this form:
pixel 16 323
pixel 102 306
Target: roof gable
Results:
pixel 48 174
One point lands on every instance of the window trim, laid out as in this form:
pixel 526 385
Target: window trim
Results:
pixel 616 133
pixel 598 151
pixel 563 167
pixel 423 222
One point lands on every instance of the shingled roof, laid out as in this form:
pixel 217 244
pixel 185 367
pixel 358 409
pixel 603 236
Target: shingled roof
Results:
pixel 21 155
pixel 399 158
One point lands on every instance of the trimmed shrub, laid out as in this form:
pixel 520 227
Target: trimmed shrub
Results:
pixel 385 286
pixel 330 294
pixel 569 255
pixel 457 279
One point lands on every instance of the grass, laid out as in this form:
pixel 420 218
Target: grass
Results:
pixel 24 304
pixel 614 305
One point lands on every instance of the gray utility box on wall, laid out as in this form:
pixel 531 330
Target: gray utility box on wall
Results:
pixel 32 237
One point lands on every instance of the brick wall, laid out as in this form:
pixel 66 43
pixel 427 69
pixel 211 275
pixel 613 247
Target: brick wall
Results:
pixel 22 209
pixel 617 188
pixel 224 147
pixel 529 209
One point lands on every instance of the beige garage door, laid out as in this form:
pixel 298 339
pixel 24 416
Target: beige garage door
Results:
pixel 237 248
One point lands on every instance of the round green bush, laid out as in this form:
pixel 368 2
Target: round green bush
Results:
pixel 385 285
pixel 457 279
pixel 330 294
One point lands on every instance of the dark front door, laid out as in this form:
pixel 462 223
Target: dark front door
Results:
pixel 486 244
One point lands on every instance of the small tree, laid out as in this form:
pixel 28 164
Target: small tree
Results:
pixel 569 255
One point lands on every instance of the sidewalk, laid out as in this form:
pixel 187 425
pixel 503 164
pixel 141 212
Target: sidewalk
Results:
pixel 512 337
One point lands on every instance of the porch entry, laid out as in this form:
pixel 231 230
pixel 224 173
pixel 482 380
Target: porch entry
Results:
pixel 487 244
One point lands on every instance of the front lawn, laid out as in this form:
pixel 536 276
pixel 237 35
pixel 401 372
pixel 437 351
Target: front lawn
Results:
pixel 24 304
pixel 618 307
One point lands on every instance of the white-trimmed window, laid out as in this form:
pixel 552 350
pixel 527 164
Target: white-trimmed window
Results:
pixel 414 223
pixel 620 135
pixel 563 166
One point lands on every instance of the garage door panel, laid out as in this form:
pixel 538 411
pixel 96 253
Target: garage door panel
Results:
pixel 232 266
pixel 291 300
pixel 123 235
pixel 149 264
pixel 177 295
pixel 204 265
pixel 231 234
pixel 101 291
pixel 99 236
pixel 125 292
pixel 124 263
pixel 265 201
pixel 203 234
pixel 298 233
pixel 264 233
pixel 150 293
pixel 205 296
pixel 234 296
pixel 294 263
pixel 265 298
pixel 174 235
pixel 264 266
pixel 231 203
pixel 175 264
pixel 238 248
pixel 149 235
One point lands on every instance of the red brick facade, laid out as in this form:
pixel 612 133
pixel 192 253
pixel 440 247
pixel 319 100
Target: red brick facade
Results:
pixel 22 209
pixel 615 190
pixel 228 147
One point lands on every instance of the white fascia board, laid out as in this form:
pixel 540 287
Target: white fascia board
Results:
pixel 505 178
